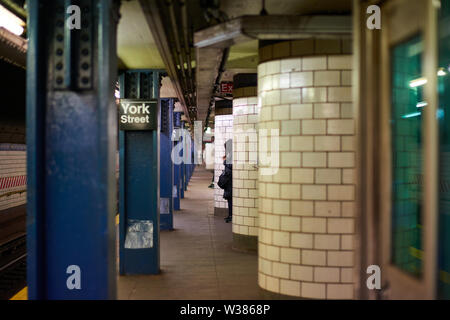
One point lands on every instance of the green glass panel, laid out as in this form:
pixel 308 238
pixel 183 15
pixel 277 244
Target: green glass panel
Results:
pixel 406 121
pixel 444 172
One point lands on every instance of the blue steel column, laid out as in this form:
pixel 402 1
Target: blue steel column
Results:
pixel 185 164
pixel 182 166
pixel 139 176
pixel 177 167
pixel 71 141
pixel 166 165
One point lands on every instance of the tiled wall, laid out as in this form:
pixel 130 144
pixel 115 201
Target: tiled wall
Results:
pixel 222 132
pixel 13 180
pixel 306 210
pixel 245 171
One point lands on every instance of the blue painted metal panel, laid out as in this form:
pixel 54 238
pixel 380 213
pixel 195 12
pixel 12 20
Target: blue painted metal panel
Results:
pixel 71 128
pixel 177 167
pixel 139 178
pixel 176 184
pixel 166 165
pixel 182 167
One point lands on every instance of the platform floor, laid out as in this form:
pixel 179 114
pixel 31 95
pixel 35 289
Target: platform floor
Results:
pixel 197 261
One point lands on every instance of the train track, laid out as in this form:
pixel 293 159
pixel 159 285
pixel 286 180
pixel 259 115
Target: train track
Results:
pixel 13 267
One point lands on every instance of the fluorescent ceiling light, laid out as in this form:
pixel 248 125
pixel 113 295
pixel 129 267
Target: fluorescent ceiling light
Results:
pixel 410 115
pixel 11 22
pixel 421 104
pixel 441 72
pixel 418 82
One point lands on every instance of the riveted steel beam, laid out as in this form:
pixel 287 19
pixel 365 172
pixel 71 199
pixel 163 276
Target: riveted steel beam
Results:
pixel 273 27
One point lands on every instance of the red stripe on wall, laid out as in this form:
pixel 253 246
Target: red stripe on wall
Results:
pixel 12 182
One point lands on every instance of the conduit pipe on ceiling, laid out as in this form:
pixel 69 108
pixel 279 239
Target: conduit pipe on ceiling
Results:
pixel 178 48
pixel 187 50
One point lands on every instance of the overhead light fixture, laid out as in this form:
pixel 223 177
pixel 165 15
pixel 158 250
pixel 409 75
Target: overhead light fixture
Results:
pixel 11 22
pixel 418 82
pixel 411 115
pixel 441 72
pixel 421 104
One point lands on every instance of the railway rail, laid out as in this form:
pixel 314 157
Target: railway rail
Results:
pixel 13 256
pixel 13 251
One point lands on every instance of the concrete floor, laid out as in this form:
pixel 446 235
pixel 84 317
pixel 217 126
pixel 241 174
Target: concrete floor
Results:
pixel 197 261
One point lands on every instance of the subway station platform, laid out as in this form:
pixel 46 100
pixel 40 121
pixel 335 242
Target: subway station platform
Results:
pixel 197 259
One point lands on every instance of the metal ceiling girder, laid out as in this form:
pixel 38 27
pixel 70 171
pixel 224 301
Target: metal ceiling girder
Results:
pixel 153 16
pixel 274 27
pixel 208 64
pixel 13 48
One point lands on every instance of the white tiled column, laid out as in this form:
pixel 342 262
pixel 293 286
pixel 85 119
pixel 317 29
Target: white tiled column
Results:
pixel 306 210
pixel 223 131
pixel 245 173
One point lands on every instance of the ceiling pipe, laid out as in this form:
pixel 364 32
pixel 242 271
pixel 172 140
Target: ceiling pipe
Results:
pixel 153 13
pixel 178 47
pixel 187 50
pixel 221 70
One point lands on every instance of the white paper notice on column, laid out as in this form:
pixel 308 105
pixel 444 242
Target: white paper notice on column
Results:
pixel 164 207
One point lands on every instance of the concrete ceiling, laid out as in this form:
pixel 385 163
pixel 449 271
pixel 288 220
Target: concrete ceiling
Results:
pixel 236 8
pixel 136 47
pixel 243 56
pixel 138 50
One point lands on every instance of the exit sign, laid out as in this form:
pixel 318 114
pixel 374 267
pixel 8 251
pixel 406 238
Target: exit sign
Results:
pixel 138 114
pixel 226 87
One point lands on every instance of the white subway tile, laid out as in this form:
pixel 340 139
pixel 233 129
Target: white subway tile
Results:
pixel 328 176
pixel 340 291
pixel 302 143
pixel 327 78
pixel 311 95
pixel 291 65
pixel 341 225
pixel 290 96
pixel 290 288
pixel 314 63
pixel 301 175
pixel 314 159
pixel 302 273
pixel 327 143
pixel 314 127
pixel 341 193
pixel 313 290
pixel 340 258
pixel 326 242
pixel 301 79
pixel 323 274
pixel 301 240
pixel 341 127
pixel 340 94
pixel 301 111
pixel 290 255
pixel 341 62
pixel 314 225
pixel 326 110
pixel 327 209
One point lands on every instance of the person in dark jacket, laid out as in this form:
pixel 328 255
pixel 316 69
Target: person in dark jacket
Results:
pixel 228 190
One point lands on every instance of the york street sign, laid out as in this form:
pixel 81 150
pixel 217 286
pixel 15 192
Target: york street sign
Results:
pixel 138 114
